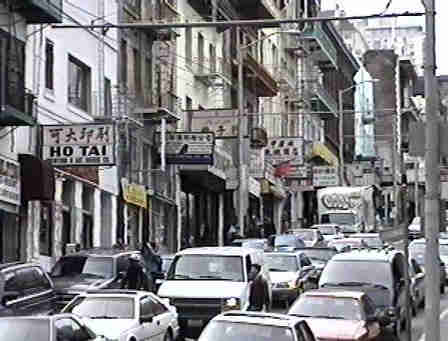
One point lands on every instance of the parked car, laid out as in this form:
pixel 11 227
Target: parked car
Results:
pixel 25 289
pixel 239 326
pixel 417 251
pixel 311 237
pixel 417 286
pixel 340 314
pixel 379 273
pixel 373 240
pixel 90 269
pixel 347 244
pixel 319 256
pixel 329 231
pixel 290 274
pixel 281 242
pixel 203 282
pixel 126 314
pixel 59 327
pixel 256 243
pixel 415 229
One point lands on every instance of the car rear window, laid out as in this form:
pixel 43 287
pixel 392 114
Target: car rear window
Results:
pixel 68 265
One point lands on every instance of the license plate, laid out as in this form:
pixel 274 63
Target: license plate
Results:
pixel 195 323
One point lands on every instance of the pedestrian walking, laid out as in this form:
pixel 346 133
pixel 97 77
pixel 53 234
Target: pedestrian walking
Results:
pixel 135 277
pixel 258 290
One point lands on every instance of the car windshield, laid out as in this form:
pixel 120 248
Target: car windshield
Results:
pixel 316 254
pixel 305 235
pixel 200 267
pixel 327 230
pixel 235 331
pixel 98 267
pixel 25 330
pixel 68 266
pixel 338 218
pixel 102 307
pixel 288 240
pixel 281 263
pixel 166 262
pixel 327 307
pixel 357 272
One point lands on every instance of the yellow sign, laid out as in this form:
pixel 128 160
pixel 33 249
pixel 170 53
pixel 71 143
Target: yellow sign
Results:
pixel 134 194
pixel 319 149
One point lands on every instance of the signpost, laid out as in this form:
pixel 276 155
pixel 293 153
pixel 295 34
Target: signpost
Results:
pixel 324 176
pixel 87 144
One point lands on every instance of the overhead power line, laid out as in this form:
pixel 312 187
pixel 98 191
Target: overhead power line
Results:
pixel 232 23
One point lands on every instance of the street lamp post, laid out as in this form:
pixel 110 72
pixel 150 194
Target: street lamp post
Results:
pixel 341 127
pixel 242 167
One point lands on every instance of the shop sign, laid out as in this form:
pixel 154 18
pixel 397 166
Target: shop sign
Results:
pixel 324 176
pixel 300 172
pixel 188 148
pixel 134 194
pixel 9 181
pixel 284 149
pixel 222 122
pixel 88 144
pixel 254 187
pixel 256 167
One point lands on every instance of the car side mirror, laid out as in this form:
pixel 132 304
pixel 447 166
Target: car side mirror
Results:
pixel 146 319
pixel 9 296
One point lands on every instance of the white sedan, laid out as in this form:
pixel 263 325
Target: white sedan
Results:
pixel 125 315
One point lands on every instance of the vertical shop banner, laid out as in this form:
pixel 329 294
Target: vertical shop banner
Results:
pixel 9 181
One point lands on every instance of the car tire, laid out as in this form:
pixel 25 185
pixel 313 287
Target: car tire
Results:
pixel 168 336
pixel 442 288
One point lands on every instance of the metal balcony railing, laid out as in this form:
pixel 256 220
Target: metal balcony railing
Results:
pixel 212 71
pixel 286 77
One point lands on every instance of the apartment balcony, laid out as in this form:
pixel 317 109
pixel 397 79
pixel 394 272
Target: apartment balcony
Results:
pixel 213 72
pixel 166 105
pixel 257 9
pixel 17 107
pixel 286 78
pixel 258 76
pixel 40 11
pixel 322 48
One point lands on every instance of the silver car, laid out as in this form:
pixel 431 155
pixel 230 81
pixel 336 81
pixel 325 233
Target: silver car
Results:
pixel 311 237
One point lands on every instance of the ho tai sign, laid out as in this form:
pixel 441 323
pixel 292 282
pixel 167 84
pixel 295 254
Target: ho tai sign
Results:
pixel 79 144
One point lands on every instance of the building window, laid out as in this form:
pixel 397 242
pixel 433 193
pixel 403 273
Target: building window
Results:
pixel 135 164
pixel 188 46
pixel 107 97
pixel 49 65
pixel 78 84
pixel 124 64
pixel 200 52
pixel 148 76
pixel 137 73
pixel 212 52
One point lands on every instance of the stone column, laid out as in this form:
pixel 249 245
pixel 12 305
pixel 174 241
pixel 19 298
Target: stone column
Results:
pixel 114 220
pixel 77 221
pixel 97 226
pixel 221 219
pixel 293 210
pixel 57 218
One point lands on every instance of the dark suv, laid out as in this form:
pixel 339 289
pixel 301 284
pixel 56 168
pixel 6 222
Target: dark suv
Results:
pixel 379 273
pixel 25 289
pixel 89 269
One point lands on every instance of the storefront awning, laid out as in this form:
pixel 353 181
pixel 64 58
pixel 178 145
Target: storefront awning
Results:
pixel 322 151
pixel 37 178
pixel 275 190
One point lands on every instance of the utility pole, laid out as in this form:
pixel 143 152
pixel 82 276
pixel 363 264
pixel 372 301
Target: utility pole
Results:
pixel 341 138
pixel 241 165
pixel 416 184
pixel 432 163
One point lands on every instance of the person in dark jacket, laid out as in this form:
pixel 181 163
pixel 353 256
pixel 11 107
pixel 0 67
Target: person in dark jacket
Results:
pixel 135 277
pixel 258 290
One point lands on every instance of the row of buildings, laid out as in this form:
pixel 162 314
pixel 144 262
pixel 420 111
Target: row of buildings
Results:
pixel 131 134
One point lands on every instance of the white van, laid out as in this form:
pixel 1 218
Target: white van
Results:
pixel 203 282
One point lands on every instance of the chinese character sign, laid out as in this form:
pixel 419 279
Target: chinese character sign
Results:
pixel 284 149
pixel 9 181
pixel 79 144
